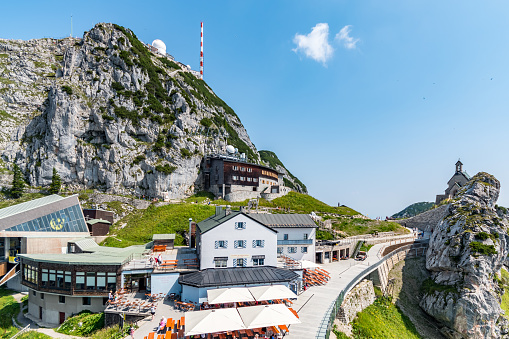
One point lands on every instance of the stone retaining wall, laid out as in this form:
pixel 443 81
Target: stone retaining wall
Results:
pixel 360 297
pixel 427 220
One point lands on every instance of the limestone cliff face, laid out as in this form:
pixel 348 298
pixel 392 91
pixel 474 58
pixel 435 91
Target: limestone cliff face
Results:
pixel 467 249
pixel 108 113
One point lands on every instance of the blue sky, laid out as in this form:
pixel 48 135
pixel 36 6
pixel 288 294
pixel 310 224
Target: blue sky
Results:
pixel 375 120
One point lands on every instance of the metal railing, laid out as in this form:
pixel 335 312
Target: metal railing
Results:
pixel 328 320
pixel 24 330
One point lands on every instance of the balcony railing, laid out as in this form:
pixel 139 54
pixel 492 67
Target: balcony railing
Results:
pixel 295 242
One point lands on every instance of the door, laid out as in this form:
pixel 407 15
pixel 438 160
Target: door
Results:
pixel 347 252
pixel 40 312
pixel 142 285
pixel 61 316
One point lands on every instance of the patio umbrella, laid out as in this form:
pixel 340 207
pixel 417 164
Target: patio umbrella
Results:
pixel 309 264
pixel 211 321
pixel 271 292
pixel 229 295
pixel 267 315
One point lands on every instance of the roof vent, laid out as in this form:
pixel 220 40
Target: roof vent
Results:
pixel 219 209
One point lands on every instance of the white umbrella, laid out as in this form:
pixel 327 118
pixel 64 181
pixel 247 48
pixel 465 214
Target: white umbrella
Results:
pixel 211 321
pixel 271 292
pixel 266 315
pixel 229 295
pixel 309 264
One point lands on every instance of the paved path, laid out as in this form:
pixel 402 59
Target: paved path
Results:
pixel 314 302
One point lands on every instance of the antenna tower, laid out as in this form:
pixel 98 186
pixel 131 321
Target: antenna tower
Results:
pixel 201 51
pixel 71 25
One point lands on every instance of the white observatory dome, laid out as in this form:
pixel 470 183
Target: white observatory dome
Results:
pixel 161 47
pixel 230 149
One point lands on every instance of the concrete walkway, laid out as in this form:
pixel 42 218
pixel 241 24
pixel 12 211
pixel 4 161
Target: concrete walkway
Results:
pixel 313 304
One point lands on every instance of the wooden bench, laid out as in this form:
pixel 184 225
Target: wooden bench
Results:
pixel 159 248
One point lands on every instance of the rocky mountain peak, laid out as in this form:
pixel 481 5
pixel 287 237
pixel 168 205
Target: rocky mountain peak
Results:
pixel 109 112
pixel 467 249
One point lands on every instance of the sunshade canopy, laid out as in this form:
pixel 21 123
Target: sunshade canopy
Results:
pixel 211 321
pixel 266 315
pixel 308 264
pixel 229 295
pixel 271 292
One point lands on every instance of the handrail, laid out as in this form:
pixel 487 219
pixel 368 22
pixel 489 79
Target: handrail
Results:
pixel 326 324
pixel 24 330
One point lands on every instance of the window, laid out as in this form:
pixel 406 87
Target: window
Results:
pixel 234 177
pixel 235 168
pixel 239 244
pixel 34 293
pixel 90 280
pixel 221 244
pixel 249 179
pixel 220 261
pixel 80 280
pixel 285 236
pixel 242 178
pixel 52 278
pixel 258 243
pixel 112 281
pixel 255 179
pixel 239 262
pixel 306 236
pixel 87 301
pixel 258 262
pixel 30 273
pixel 292 249
pixel 250 170
pixel 42 295
pixel 240 225
pixel 61 299
pixel 304 249
pixel 280 250
pixel 243 169
pixel 101 280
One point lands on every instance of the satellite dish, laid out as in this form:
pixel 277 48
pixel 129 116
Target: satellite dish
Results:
pixel 230 149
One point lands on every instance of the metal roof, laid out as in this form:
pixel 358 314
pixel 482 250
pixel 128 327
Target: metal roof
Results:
pixel 101 256
pixel 29 205
pixel 215 220
pixel 85 244
pixel 163 236
pixel 237 276
pixel 284 220
pixel 95 221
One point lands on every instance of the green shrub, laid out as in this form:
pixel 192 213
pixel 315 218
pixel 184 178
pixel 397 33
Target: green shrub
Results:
pixel 324 235
pixel 185 153
pixel 429 286
pixel 108 117
pixel 117 86
pixel 83 324
pixel 67 89
pixel 139 158
pixel 124 113
pixel 206 122
pixel 482 249
pixel 83 196
pixel 126 56
pixel 166 169
pixel 169 63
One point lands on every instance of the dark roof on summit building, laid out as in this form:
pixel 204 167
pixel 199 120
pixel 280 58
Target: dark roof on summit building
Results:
pixel 237 276
pixel 284 220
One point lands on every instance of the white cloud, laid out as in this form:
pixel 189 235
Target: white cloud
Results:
pixel 315 45
pixel 344 37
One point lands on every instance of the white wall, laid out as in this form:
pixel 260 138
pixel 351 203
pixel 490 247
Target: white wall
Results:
pixel 165 283
pixel 297 233
pixel 227 231
pixel 52 307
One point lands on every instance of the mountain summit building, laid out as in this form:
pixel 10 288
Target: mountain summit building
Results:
pixel 458 180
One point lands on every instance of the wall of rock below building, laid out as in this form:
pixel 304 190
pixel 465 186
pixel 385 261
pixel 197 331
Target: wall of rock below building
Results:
pixel 360 297
pixel 425 221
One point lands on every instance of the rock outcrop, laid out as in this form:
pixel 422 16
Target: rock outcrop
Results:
pixel 466 252
pixel 108 113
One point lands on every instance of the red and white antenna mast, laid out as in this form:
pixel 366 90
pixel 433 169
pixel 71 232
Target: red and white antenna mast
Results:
pixel 201 51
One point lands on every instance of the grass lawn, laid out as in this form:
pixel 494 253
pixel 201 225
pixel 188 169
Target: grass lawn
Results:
pixel 173 218
pixel 82 324
pixel 9 308
pixel 34 335
pixel 505 297
pixel 359 226
pixel 383 320
pixel 5 202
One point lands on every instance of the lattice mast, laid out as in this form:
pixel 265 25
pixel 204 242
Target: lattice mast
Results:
pixel 201 51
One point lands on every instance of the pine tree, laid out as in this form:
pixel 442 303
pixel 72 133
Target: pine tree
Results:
pixel 18 183
pixel 56 182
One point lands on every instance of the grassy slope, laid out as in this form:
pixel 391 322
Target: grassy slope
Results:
pixel 505 297
pixel 359 226
pixel 9 308
pixel 271 158
pixel 383 320
pixel 4 202
pixel 173 218
pixel 82 324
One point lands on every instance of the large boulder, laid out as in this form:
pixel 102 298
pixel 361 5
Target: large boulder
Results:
pixel 467 249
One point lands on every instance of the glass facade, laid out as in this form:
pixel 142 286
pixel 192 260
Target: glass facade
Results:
pixel 69 219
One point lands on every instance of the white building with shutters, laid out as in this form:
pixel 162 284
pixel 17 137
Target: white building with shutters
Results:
pixel 235 239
